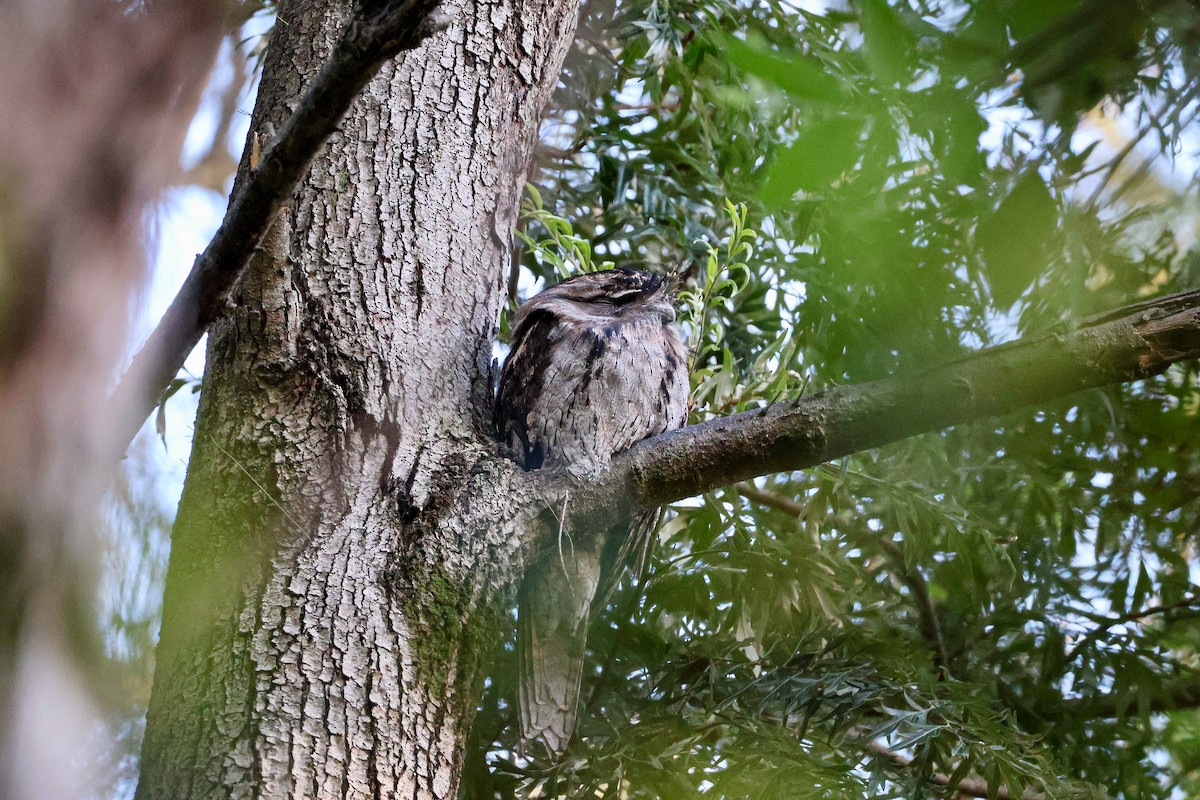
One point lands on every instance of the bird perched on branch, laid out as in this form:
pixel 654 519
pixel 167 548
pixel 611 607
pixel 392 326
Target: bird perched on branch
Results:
pixel 597 365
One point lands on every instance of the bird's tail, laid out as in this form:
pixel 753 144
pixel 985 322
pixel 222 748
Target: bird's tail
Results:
pixel 555 603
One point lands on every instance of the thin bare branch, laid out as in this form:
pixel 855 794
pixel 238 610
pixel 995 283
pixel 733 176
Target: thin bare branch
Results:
pixel 771 500
pixel 931 626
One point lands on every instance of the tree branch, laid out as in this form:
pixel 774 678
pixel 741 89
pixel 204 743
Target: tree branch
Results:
pixel 1129 343
pixel 1174 696
pixel 377 31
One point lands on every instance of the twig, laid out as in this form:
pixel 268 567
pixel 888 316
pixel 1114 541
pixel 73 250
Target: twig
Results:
pixel 1189 602
pixel 1112 166
pixel 771 500
pixel 931 626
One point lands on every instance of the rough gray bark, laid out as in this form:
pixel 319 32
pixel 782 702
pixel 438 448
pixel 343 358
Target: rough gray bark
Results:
pixel 366 41
pixel 337 545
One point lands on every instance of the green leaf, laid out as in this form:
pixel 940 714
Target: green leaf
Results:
pixel 801 77
pixel 814 161
pixel 1029 16
pixel 1014 239
pixel 888 44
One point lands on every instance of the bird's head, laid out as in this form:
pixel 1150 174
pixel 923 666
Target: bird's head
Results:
pixel 622 294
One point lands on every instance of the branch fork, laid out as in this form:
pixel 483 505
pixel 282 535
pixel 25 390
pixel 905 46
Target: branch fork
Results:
pixel 377 31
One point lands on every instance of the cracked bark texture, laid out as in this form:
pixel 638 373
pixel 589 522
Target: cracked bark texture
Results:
pixel 337 560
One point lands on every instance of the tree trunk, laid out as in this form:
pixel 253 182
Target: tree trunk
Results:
pixel 345 536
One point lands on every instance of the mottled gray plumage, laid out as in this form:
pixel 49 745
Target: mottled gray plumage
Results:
pixel 597 364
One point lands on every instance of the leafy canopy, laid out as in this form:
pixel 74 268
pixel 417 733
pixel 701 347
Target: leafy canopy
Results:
pixel 850 191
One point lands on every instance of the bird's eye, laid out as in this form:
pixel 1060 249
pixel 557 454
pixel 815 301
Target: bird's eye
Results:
pixel 621 298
